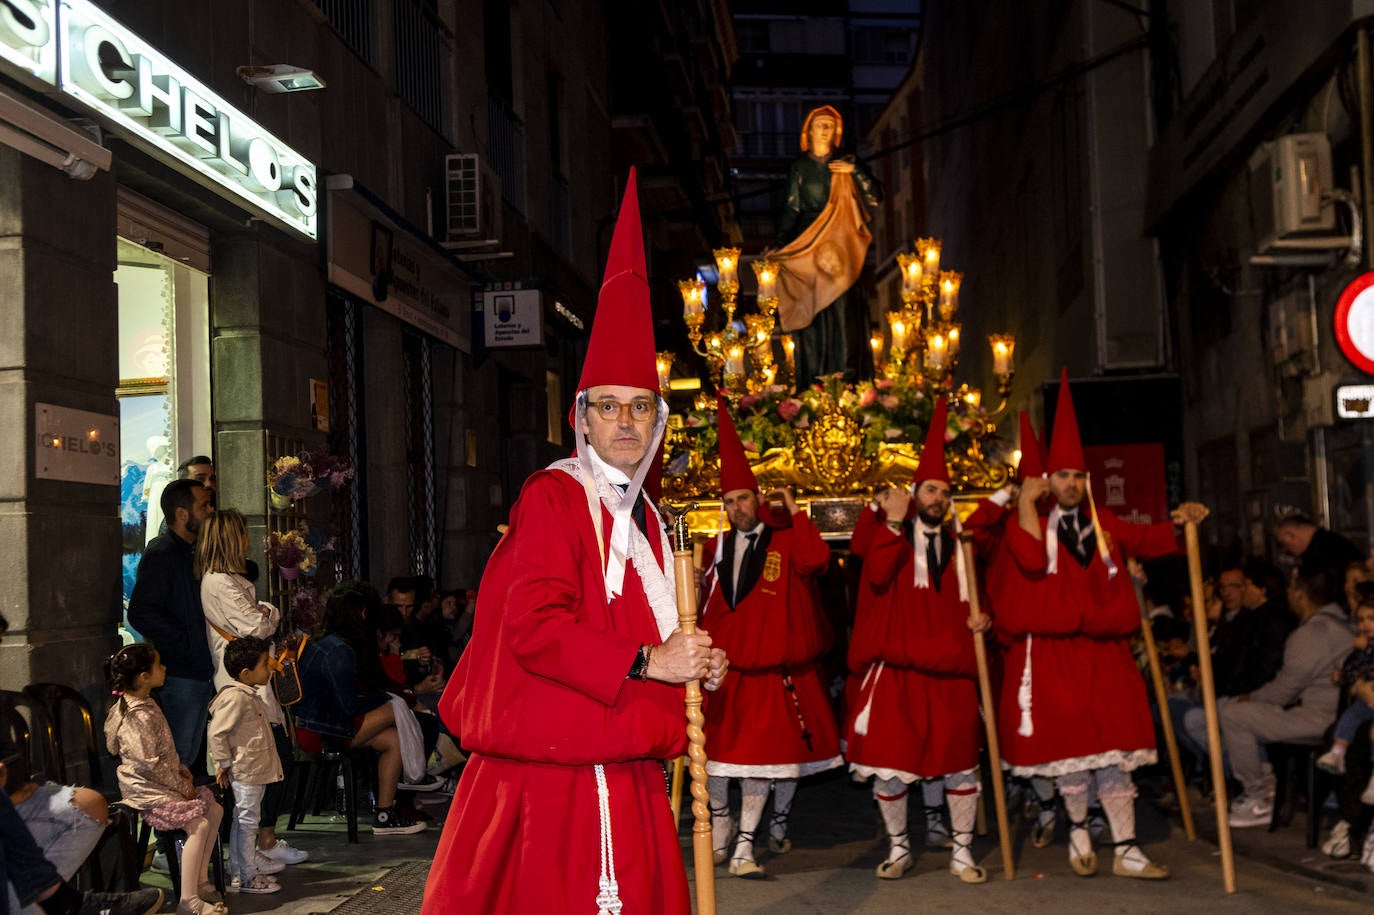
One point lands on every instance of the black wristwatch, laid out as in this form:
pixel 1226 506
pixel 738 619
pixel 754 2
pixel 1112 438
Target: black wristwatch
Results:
pixel 639 670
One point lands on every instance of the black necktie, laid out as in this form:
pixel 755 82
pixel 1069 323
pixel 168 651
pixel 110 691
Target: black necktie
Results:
pixel 933 559
pixel 1069 536
pixel 637 512
pixel 748 554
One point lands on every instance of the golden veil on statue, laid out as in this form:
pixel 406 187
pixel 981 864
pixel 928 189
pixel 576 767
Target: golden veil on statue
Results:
pixel 819 265
pixel 824 228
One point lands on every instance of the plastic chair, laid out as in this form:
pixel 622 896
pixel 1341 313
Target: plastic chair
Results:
pixel 55 700
pixel 26 719
pixel 1288 759
pixel 314 771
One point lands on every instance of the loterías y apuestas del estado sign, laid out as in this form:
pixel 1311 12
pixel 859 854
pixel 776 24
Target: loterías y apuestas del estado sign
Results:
pixel 143 95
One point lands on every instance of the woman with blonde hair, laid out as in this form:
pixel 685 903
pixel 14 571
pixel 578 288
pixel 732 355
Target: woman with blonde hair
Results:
pixel 232 610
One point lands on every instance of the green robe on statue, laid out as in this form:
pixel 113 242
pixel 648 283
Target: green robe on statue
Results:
pixel 823 347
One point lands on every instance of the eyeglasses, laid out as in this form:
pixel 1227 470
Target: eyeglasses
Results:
pixel 641 411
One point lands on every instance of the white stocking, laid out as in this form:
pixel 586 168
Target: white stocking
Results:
pixel 755 792
pixel 961 793
pixel 1044 794
pixel 1073 788
pixel 718 788
pixel 891 795
pixel 784 791
pixel 1117 793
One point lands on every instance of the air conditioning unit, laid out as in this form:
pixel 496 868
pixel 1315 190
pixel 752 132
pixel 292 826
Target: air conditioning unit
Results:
pixel 473 194
pixel 1290 195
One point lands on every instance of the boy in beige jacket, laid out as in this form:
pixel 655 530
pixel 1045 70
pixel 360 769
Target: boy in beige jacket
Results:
pixel 241 744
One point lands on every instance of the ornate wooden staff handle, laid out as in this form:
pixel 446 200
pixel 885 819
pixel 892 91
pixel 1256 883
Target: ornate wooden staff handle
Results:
pixel 685 575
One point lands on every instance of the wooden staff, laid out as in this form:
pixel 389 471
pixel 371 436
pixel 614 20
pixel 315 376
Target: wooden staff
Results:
pixel 702 864
pixel 1185 806
pixel 999 797
pixel 1209 701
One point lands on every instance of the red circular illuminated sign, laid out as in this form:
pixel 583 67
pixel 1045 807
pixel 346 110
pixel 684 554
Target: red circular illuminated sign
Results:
pixel 1355 322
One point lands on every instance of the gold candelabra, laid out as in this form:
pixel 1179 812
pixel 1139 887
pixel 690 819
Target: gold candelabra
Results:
pixel 923 336
pixel 740 361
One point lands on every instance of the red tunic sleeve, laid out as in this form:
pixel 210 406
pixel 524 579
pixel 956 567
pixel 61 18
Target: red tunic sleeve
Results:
pixel 543 679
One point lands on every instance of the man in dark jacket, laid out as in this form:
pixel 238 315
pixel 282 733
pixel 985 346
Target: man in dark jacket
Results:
pixel 1316 548
pixel 165 609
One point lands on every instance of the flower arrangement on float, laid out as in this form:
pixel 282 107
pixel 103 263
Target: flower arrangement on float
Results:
pixel 293 477
pixel 888 410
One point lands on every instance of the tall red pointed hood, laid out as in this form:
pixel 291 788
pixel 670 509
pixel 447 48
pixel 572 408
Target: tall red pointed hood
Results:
pixel 621 348
pixel 735 472
pixel 1032 462
pixel 932 465
pixel 1066 448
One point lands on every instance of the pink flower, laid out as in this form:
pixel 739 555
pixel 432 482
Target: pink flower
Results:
pixel 892 433
pixel 883 384
pixel 889 401
pixel 693 421
pixel 748 400
pixel 949 436
pixel 867 397
pixel 789 409
pixel 750 445
pixel 804 422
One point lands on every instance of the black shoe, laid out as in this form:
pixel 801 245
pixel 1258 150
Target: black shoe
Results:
pixel 140 902
pixel 389 822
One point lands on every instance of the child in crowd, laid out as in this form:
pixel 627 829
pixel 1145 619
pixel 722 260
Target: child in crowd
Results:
pixel 151 777
pixel 1358 666
pixel 241 744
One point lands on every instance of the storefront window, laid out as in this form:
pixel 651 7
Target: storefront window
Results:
pixel 164 387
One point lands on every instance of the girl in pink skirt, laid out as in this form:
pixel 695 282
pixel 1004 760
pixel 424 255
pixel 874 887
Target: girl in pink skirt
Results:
pixel 151 777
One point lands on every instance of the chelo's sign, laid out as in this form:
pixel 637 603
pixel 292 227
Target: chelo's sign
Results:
pixel 154 103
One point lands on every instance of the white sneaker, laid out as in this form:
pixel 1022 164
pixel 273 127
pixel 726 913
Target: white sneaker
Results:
pixel 1367 796
pixel 1251 812
pixel 285 853
pixel 1337 844
pixel 1332 762
pixel 1367 856
pixel 266 865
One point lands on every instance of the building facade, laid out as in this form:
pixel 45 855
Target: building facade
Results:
pixel 400 267
pixel 1252 295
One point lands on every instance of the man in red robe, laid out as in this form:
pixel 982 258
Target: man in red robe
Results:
pixel 568 696
pixel 770 723
pixel 1071 685
pixel 915 715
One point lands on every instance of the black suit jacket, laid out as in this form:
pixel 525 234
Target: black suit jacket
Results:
pixel 733 591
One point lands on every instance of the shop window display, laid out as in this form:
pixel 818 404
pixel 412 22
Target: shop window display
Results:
pixel 164 391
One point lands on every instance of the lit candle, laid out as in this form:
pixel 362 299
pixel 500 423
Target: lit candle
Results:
pixel 973 397
pixel 875 343
pixel 767 273
pixel 898 325
pixel 789 347
pixel 734 360
pixel 929 251
pixel 937 351
pixel 693 297
pixel 911 274
pixel 727 267
pixel 1003 348
pixel 949 293
pixel 664 363
pixel 953 337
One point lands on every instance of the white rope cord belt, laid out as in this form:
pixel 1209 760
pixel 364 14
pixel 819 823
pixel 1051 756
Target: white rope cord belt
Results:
pixel 608 895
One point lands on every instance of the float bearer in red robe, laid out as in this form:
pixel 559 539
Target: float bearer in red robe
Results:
pixel 916 712
pixel 1071 685
pixel 569 695
pixel 771 721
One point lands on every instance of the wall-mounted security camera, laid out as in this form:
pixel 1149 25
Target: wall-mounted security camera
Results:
pixel 281 78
